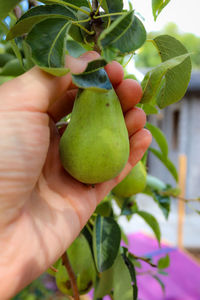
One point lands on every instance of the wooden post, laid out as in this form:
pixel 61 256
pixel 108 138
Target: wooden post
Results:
pixel 181 204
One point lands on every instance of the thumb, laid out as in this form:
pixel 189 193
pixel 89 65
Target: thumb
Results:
pixel 78 65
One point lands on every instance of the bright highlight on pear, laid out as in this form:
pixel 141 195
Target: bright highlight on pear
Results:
pixel 95 146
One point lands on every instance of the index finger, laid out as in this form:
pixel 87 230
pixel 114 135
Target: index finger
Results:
pixel 36 90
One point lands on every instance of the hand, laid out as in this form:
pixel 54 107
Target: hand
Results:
pixel 42 208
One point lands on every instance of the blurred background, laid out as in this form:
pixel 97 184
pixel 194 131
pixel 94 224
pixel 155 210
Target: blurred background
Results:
pixel 179 122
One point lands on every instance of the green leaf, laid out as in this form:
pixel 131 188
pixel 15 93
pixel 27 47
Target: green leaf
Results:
pixel 149 109
pixel 152 222
pixel 6 7
pixel 77 3
pixel 17 52
pixel 167 162
pixel 157 7
pixel 177 78
pixel 171 191
pixel 133 38
pixel 118 28
pixel 122 281
pixel 164 262
pixel 124 236
pixel 37 15
pixel 74 49
pixel 156 79
pixel 95 65
pixel 4 58
pixel 93 80
pixel 49 50
pixel 111 6
pixel 136 262
pixel 13 43
pixel 160 282
pixel 155 183
pixel 159 138
pixel 82 263
pixel 164 202
pixel 109 53
pixel 105 284
pixel 27 54
pixel 104 209
pixel 106 242
pixel 129 206
pixel 153 188
pixel 132 271
pixel 55 71
pixel 55 265
pixel 162 273
pixel 12 68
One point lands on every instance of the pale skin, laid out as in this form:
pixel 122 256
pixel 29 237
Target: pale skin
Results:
pixel 42 208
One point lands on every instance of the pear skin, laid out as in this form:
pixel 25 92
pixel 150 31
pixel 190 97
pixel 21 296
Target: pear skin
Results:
pixel 95 146
pixel 133 183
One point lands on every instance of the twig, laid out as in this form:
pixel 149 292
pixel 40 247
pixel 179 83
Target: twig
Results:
pixel 149 272
pixel 90 6
pixel 98 8
pixel 66 263
pixel 147 260
pixel 83 28
pixel 61 2
pixel 53 269
pixel 189 200
pixel 131 56
pixel 109 15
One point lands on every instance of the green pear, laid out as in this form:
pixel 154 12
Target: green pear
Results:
pixel 95 146
pixel 133 183
pixel 12 68
pixel 82 263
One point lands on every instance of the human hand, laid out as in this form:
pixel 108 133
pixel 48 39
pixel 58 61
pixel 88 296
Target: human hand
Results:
pixel 42 208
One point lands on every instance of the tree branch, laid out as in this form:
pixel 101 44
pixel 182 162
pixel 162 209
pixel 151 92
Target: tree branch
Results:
pixel 66 263
pixel 147 260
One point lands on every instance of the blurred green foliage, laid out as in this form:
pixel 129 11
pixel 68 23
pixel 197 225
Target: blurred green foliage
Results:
pixel 35 291
pixel 148 56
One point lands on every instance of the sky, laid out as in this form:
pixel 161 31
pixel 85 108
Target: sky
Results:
pixel 184 13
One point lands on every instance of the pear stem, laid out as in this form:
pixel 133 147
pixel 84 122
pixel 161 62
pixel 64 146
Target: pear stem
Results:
pixel 66 263
pixel 97 26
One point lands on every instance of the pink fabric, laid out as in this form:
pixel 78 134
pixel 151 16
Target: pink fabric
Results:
pixel 183 280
